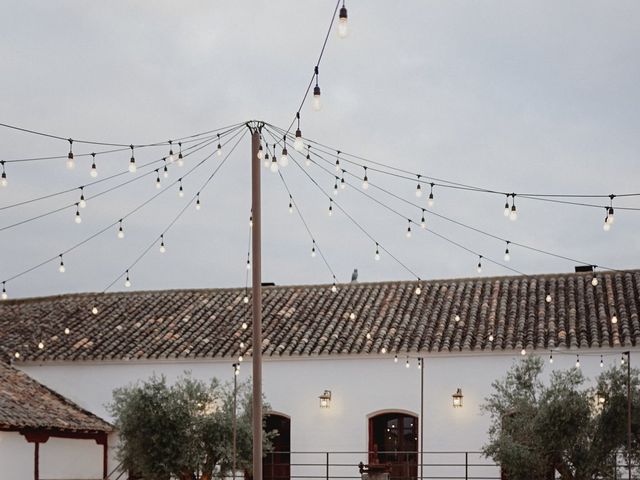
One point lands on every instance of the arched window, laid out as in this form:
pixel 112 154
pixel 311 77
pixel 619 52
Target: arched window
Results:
pixel 393 439
pixel 277 463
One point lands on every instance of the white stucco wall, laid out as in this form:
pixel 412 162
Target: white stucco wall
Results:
pixel 359 386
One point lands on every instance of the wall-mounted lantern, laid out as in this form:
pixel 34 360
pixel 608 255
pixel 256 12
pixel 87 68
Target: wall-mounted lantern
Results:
pixel 457 398
pixel 325 399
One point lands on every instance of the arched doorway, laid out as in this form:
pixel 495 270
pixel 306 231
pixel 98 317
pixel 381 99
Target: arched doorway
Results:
pixel 277 463
pixel 393 439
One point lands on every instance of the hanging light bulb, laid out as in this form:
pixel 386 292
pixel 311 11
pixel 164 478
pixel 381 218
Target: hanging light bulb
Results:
pixel 395 358
pixel 132 162
pixel 313 249
pixel 334 288
pixel 343 27
pixel 491 337
pixel 577 361
pixel 622 362
pixel 162 247
pixel 523 352
pixel 274 160
pixel 338 161
pixel 606 226
pixel 248 264
pixel 127 281
pixel 368 336
pixel 94 171
pixel 17 354
pixel 61 268
pixel 365 180
pixel 78 218
pixel 4 294
pixel 507 207
pixel 343 184
pixel 267 160
pixel 551 358
pixel 594 280
pixel 120 230
pixel 241 344
pixel 219 148
pixel 244 325
pixel 198 205
pixel 180 189
pixel 377 255
pixel 290 204
pixel 407 364
pixel 171 156
pixel 71 163
pixel 298 144
pixel 418 188
pixel 423 222
pixel 419 364
pixel 610 214
pixel 614 318
pixel 3 179
pixel 507 255
pixel 245 300
pixel 548 298
pixel 165 170
pixel 180 157
pixel 82 203
pixel 284 158
pixel 418 289
pixel 330 206
pixel 431 200
pixel 94 310
pixel 601 362
pixel 251 221
pixel 240 358
pixel 408 228
pixel 67 331
pixel 479 267
pixel 40 344
pixel 352 316
pixel 260 152
pixel 513 214
pixel 317 104
pixel 335 187
pixel 383 350
pixel 158 182
pixel 457 318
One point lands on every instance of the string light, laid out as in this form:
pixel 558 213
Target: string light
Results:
pixel 606 226
pixel 523 352
pixel 132 162
pixel 343 27
pixel 395 358
pixel 17 354
pixel 418 188
pixel 507 255
pixel 614 318
pixel 3 179
pixel 479 267
pixel 219 148
pixel 41 345
pixel 171 156
pixel 368 336
pixel 198 205
pixel 158 183
pixel 274 160
pixel 377 255
pixel 248 264
pixel 622 359
pixel 298 144
pixel 162 247
pixel 610 214
pixel 61 267
pixel 335 188
pixel 313 249
pixel 251 221
pixel 601 362
pixel 457 318
pixel 284 158
pixel 338 161
pixel 4 294
pixel 82 203
pixel 127 281
pixel 94 310
pixel 548 298
pixel 423 222
pixel 267 159
pixel 352 316
pixel 180 157
pixel 244 325
pixel 383 350
pixel 365 180
pixel 408 234
pixel 407 364
pixel 330 206
pixel 245 300
pixel 317 104
pixel 507 207
pixel 261 152
pixel 577 361
pixel 418 289
pixel 67 331
pixel 551 358
pixel 334 288
pixel 180 189
pixel 240 358
pixel 165 170
pixel 419 363
pixel 307 160
pixel 513 214
pixel 120 230
pixel 431 200
pixel 78 218
pixel 71 163
pixel 594 280
pixel 343 184
pixel 491 337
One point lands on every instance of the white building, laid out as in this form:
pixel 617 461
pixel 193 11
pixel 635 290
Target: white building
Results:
pixel 468 332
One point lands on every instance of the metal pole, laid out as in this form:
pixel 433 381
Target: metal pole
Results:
pixel 256 293
pixel 422 418
pixel 629 412
pixel 235 420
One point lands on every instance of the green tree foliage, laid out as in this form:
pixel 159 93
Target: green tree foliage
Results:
pixel 539 430
pixel 183 430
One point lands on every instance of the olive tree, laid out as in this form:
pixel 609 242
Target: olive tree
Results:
pixel 183 430
pixel 564 427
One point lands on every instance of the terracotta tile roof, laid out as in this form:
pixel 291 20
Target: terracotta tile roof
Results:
pixel 27 404
pixel 311 320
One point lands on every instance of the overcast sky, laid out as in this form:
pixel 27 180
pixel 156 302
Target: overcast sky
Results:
pixel 518 96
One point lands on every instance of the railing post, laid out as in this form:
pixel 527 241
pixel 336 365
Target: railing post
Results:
pixel 466 465
pixel 327 467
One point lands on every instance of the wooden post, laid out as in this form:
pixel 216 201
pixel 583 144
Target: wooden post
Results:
pixel 36 461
